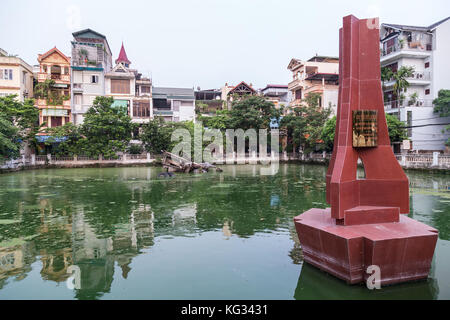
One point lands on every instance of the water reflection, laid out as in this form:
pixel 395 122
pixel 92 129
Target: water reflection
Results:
pixel 106 221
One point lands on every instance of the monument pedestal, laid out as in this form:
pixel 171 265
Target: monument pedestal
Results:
pixel 403 250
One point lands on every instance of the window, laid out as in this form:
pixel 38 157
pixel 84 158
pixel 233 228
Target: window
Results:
pixel 77 99
pixel 298 94
pixel 120 86
pixel 145 89
pixel 141 109
pixel 427 91
pixel 6 74
pixel 24 78
pixel 427 65
pixel 186 104
pixel 409 123
pixel 94 79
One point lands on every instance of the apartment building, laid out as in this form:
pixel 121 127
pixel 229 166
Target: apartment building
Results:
pixel 16 76
pixel 129 89
pixel 91 60
pixel 319 74
pixel 54 103
pixel 174 104
pixel 426 49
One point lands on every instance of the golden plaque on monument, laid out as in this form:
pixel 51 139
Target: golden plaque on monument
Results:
pixel 365 128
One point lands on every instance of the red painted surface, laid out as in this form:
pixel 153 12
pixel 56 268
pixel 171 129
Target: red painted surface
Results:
pixel 364 227
pixel 123 56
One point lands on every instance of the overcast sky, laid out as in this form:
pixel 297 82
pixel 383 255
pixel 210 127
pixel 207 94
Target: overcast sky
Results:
pixel 190 43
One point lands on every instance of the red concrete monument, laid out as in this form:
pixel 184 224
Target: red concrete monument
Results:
pixel 366 224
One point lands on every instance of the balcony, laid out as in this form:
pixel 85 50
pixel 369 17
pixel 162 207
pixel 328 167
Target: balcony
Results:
pixel 295 84
pixel 77 88
pixel 59 78
pixel 44 103
pixel 414 49
pixel 396 104
pixel 418 78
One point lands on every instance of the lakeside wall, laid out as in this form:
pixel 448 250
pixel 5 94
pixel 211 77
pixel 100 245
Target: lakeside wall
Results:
pixel 434 161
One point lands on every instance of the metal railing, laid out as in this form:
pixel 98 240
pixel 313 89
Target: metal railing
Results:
pixel 393 104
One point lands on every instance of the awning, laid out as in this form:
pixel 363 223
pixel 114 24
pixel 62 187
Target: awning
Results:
pixel 45 138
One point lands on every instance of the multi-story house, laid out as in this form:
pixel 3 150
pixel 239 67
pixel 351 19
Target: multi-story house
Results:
pixel 174 104
pixel 231 92
pixel 320 74
pixel 91 60
pixel 129 89
pixel 278 94
pixel 207 102
pixel 54 103
pixel 426 49
pixel 16 77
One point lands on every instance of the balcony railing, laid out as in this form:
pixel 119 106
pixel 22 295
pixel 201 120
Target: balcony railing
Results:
pixel 409 46
pixel 42 76
pixel 43 102
pixel 394 104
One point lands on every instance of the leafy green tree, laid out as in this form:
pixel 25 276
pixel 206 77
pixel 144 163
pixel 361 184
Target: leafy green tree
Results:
pixel 252 112
pixel 328 132
pixel 9 139
pixel 156 135
pixel 304 126
pixel 221 120
pixel 106 129
pixel 66 140
pixel 442 106
pixel 396 128
pixel 24 116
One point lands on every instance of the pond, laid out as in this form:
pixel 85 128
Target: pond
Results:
pixel 229 235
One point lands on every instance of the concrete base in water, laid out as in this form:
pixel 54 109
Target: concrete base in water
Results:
pixel 403 250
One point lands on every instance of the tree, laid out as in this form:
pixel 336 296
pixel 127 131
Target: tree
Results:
pixel 328 132
pixel 252 112
pixel 22 115
pixel 396 128
pixel 9 139
pixel 66 140
pixel 442 106
pixel 106 129
pixel 401 83
pixel 220 121
pixel 305 125
pixel 386 75
pixel 156 135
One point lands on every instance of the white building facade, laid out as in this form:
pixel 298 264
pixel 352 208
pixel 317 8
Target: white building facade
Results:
pixel 427 50
pixel 91 59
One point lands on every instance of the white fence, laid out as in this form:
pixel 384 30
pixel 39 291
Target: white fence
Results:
pixel 434 160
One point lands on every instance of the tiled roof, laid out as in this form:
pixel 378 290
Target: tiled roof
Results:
pixel 416 28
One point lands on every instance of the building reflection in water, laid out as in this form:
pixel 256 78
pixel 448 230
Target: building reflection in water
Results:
pixel 64 242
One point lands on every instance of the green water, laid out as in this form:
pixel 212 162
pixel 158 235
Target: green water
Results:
pixel 223 235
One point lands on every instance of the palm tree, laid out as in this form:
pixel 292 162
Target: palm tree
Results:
pixel 401 83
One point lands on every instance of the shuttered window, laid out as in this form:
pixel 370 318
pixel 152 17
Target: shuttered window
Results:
pixel 120 86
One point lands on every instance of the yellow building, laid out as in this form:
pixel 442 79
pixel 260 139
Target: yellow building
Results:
pixel 54 103
pixel 16 77
pixel 320 74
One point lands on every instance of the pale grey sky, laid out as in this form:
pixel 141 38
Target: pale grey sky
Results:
pixel 202 43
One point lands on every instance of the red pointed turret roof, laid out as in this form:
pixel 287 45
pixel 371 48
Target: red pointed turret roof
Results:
pixel 123 56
